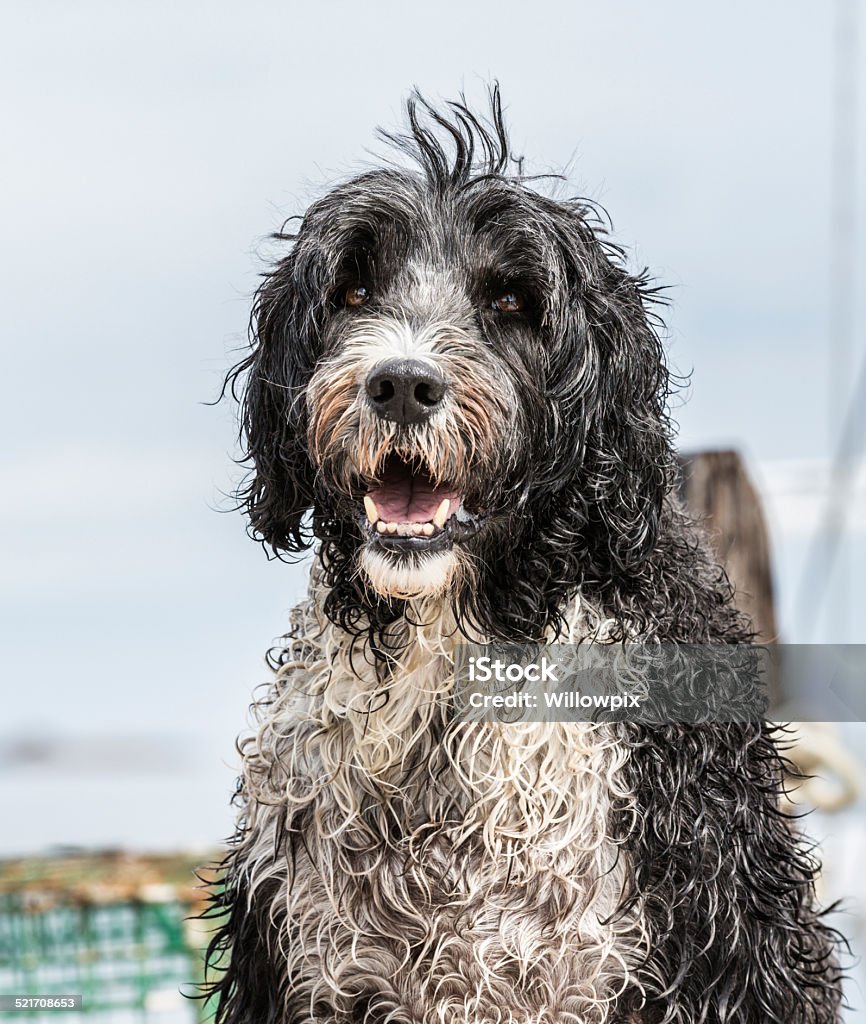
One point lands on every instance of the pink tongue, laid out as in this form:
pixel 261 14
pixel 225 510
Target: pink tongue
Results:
pixel 411 499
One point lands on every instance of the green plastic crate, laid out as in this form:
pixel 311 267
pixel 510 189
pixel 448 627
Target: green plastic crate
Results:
pixel 129 960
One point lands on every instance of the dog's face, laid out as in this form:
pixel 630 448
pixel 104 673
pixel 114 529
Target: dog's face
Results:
pixel 431 367
pixel 452 372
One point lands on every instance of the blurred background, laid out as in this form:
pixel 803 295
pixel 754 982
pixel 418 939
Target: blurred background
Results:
pixel 149 149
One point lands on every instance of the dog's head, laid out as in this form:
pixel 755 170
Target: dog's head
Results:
pixel 454 384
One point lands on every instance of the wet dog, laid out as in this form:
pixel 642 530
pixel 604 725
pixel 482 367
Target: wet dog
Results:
pixel 456 392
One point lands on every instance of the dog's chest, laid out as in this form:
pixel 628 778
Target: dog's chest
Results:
pixel 494 884
pixel 475 864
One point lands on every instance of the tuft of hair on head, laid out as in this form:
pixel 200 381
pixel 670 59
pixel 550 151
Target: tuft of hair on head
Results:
pixel 480 145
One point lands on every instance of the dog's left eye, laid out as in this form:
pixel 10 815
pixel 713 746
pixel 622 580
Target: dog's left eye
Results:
pixel 357 295
pixel 508 302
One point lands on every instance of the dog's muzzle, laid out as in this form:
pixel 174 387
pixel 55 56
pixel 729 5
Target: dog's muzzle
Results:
pixel 408 509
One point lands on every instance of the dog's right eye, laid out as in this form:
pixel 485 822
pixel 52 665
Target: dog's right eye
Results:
pixel 357 295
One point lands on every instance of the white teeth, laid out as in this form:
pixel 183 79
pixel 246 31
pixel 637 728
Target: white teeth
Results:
pixel 409 529
pixel 372 511
pixel 441 513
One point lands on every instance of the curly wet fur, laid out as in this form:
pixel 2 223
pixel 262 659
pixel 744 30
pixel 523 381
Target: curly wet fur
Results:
pixel 392 863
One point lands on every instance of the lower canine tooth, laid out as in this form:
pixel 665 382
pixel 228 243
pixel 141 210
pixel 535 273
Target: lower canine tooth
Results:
pixel 442 513
pixel 372 511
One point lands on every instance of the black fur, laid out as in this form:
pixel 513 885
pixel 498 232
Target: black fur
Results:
pixel 736 936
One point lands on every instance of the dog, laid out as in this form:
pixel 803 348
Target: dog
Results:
pixel 457 393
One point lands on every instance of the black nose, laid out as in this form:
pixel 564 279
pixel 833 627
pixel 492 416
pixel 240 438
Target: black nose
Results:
pixel 405 390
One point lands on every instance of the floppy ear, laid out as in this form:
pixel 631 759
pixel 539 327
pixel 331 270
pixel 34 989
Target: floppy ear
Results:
pixel 628 456
pixel 617 400
pixel 272 381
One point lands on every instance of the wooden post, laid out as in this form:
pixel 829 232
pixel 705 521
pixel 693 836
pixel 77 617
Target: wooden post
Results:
pixel 717 491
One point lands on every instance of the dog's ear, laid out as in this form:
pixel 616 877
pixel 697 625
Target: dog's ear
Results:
pixel 270 385
pixel 619 406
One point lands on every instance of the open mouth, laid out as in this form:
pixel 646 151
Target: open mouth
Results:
pixel 406 510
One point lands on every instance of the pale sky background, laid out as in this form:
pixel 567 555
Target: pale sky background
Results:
pixel 148 149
